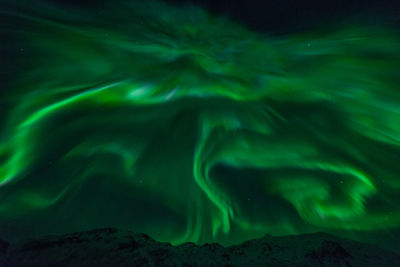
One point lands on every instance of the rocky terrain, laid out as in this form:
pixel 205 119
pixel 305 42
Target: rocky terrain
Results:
pixel 112 247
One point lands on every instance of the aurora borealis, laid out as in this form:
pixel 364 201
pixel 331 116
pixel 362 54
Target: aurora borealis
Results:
pixel 187 126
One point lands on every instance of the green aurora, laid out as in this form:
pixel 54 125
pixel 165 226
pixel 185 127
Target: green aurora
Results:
pixel 190 127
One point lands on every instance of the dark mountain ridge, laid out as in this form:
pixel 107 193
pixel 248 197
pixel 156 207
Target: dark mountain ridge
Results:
pixel 112 247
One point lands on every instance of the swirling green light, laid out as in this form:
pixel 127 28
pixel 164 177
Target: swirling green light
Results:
pixel 190 127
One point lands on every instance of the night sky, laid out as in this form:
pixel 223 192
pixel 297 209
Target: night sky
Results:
pixel 199 121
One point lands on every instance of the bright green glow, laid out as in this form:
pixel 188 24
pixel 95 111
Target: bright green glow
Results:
pixel 189 127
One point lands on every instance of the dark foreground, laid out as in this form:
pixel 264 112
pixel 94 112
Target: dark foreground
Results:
pixel 111 247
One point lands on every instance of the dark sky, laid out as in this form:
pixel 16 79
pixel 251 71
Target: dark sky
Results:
pixel 288 15
pixel 294 14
